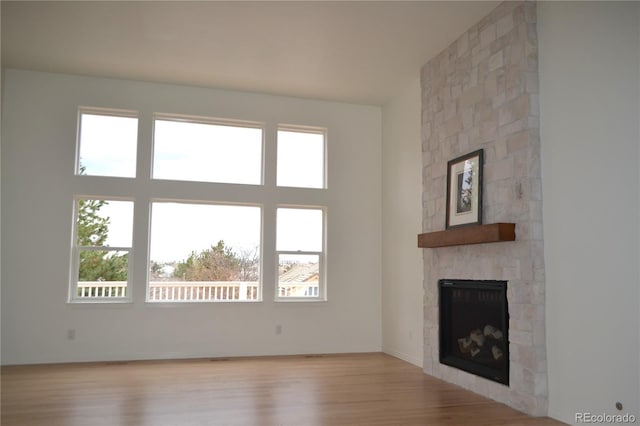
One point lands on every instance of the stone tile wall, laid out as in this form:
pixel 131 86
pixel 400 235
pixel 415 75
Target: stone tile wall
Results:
pixel 482 92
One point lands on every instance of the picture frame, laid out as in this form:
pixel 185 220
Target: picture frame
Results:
pixel 464 190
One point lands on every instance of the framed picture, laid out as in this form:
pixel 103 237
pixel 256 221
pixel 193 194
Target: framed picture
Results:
pixel 464 190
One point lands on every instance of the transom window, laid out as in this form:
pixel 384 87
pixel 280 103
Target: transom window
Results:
pixel 301 158
pixel 107 142
pixel 207 151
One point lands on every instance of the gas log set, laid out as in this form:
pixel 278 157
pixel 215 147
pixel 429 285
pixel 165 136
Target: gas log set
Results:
pixel 483 344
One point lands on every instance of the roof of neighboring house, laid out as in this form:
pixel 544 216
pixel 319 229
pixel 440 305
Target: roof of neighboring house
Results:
pixel 301 272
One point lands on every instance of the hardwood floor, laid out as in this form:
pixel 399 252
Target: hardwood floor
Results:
pixel 363 389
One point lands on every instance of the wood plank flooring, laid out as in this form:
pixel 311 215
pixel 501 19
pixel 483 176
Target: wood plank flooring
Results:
pixel 362 389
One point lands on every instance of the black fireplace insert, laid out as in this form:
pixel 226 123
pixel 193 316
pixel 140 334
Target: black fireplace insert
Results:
pixel 474 327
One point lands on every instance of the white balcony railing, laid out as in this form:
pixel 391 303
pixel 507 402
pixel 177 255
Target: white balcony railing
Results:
pixel 174 291
pixel 195 291
pixel 102 289
pixel 185 291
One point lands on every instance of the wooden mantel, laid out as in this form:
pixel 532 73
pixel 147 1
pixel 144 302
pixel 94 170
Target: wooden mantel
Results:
pixel 476 234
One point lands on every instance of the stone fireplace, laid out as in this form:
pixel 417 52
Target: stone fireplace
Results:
pixel 482 93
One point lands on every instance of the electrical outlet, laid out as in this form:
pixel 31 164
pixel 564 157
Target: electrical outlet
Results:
pixel 71 334
pixel 278 329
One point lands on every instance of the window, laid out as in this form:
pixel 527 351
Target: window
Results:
pixel 103 236
pixel 300 254
pixel 301 158
pixel 207 203
pixel 207 151
pixel 204 252
pixel 107 143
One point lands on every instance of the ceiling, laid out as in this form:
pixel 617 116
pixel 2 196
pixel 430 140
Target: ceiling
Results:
pixel 349 51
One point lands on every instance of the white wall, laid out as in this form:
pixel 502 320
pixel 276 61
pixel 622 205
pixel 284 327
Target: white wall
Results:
pixel 402 293
pixel 589 112
pixel 38 132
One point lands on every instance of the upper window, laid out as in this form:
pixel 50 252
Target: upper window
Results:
pixel 102 249
pixel 207 151
pixel 204 252
pixel 301 159
pixel 107 143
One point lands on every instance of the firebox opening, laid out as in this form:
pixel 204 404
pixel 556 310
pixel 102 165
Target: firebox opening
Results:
pixel 474 327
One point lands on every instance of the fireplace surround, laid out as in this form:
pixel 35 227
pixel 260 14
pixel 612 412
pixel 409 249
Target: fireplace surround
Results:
pixel 481 92
pixel 474 327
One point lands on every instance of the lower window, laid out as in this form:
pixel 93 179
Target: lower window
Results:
pixel 102 250
pixel 300 243
pixel 204 253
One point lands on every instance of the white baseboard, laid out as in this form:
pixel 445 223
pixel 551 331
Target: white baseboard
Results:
pixel 417 361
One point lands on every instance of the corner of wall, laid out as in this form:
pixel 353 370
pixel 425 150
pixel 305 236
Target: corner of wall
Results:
pixel 401 211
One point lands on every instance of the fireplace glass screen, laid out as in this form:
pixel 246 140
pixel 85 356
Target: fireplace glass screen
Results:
pixel 474 322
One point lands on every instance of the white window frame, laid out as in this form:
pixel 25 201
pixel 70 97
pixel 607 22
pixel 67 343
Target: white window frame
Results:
pixel 109 112
pixel 267 195
pixel 205 203
pixel 322 271
pixel 306 129
pixel 76 250
pixel 182 118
